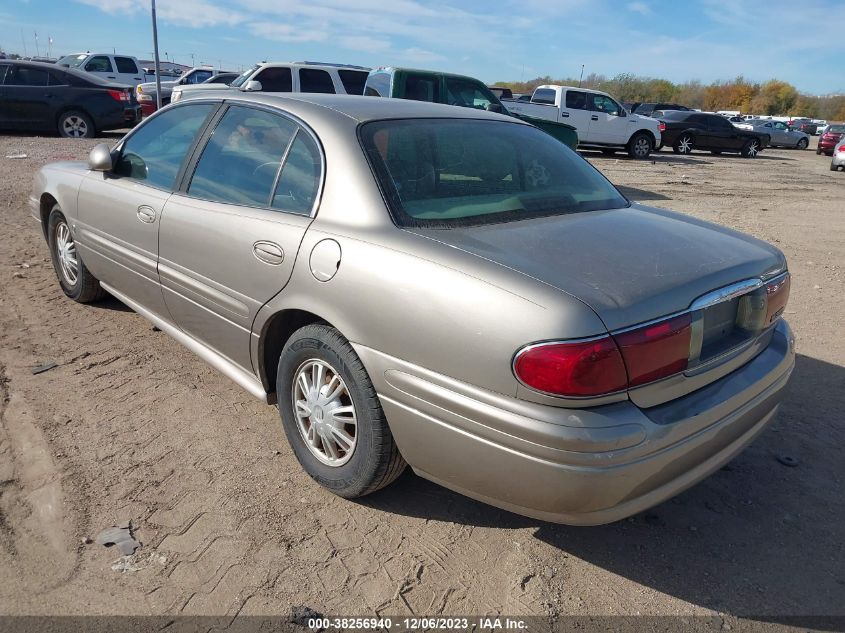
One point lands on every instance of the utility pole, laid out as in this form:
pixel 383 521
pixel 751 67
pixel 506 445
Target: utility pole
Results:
pixel 155 52
pixel 37 51
pixel 582 75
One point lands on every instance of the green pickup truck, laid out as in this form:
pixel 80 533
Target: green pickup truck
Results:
pixel 436 87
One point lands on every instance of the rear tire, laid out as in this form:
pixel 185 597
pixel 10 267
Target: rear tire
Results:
pixel 75 280
pixel 684 144
pixel 76 124
pixel 802 144
pixel 316 363
pixel 818 152
pixel 640 146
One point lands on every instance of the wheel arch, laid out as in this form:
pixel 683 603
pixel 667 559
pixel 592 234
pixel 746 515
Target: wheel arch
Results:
pixel 647 132
pixel 275 334
pixel 46 204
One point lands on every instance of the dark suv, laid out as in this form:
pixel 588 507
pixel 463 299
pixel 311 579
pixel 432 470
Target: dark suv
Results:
pixel 685 131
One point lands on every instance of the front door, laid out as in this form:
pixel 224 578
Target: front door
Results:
pixel 229 241
pixel 607 125
pixel 102 66
pixel 127 71
pixel 27 101
pixel 120 212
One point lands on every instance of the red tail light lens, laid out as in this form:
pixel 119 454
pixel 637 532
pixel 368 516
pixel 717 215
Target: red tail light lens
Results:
pixel 777 294
pixel 578 369
pixel 661 126
pixel 656 351
pixel 119 95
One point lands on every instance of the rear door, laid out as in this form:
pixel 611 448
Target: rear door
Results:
pixel 574 111
pixel 607 125
pixel 230 237
pixel 723 133
pixel 127 71
pixel 4 114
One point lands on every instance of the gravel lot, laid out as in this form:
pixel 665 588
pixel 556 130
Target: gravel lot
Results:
pixel 130 425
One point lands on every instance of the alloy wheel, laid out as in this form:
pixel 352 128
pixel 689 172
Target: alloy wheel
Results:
pixel 642 147
pixel 75 126
pixel 753 149
pixel 685 145
pixel 325 414
pixel 66 254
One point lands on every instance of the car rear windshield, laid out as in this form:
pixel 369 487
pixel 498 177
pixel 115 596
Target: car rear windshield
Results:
pixel 74 61
pixel 836 129
pixel 675 115
pixel 444 173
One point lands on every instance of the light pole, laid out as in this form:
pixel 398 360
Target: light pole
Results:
pixel 155 53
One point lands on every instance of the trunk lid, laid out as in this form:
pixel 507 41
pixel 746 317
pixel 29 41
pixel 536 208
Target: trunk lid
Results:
pixel 629 265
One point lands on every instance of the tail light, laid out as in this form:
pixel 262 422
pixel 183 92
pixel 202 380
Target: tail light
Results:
pixel 119 95
pixel 634 357
pixel 657 350
pixel 578 369
pixel 661 126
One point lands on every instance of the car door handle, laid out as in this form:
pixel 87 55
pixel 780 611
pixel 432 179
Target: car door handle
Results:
pixel 146 214
pixel 268 252
pixel 564 114
pixel 595 117
pixel 110 76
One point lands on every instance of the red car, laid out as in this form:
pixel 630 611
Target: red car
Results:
pixel 829 139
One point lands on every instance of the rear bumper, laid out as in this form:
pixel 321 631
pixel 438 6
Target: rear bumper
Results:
pixel 133 114
pixel 580 467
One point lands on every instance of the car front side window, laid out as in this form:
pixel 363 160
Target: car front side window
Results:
pixel 275 80
pixel 154 153
pixel 240 162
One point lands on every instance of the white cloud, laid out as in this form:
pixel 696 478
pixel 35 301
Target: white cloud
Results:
pixel 639 7
pixel 194 13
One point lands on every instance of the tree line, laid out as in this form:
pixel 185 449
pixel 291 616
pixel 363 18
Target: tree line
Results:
pixel 773 97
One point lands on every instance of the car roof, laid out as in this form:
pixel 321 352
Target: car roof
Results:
pixel 317 65
pixel 356 107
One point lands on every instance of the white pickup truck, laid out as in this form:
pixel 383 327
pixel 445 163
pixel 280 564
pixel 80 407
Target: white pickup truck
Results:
pixel 601 121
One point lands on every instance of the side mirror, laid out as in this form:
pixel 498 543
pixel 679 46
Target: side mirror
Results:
pixel 495 107
pixel 252 86
pixel 100 158
pixel 621 112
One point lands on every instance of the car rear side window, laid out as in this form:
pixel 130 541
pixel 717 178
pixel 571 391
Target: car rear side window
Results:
pixel 544 95
pixel 315 80
pixel 275 80
pixel 576 100
pixel 442 173
pixel 299 180
pixel 125 65
pixel 99 64
pixel 25 76
pixel 241 159
pixel 422 88
pixel 3 69
pixel 155 152
pixel 353 81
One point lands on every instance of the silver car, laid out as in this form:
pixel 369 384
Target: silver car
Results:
pixel 779 133
pixel 443 287
pixel 838 159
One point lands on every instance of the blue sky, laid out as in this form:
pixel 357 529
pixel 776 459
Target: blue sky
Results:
pixel 800 41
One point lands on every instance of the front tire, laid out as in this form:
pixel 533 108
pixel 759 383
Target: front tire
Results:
pixel 640 146
pixel 684 144
pixel 76 124
pixel 75 279
pixel 332 416
pixel 751 149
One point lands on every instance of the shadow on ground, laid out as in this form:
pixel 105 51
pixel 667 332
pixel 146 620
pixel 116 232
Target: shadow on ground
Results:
pixel 758 539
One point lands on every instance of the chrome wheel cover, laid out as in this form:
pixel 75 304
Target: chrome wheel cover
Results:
pixel 66 254
pixel 75 126
pixel 325 414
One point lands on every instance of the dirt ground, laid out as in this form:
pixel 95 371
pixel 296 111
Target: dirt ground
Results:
pixel 131 426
